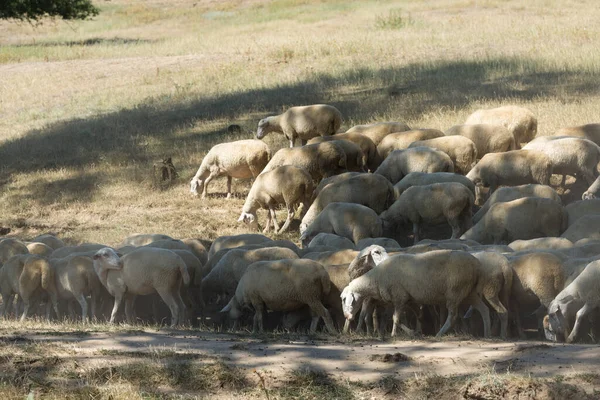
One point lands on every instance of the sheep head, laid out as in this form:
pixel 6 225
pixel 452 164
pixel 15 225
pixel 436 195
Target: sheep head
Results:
pixel 249 219
pixel 555 324
pixel 366 260
pixel 350 303
pixel 233 309
pixel 264 128
pixel 107 258
pixel 194 186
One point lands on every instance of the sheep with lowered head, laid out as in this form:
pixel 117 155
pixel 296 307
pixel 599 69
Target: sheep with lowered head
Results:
pixel 578 209
pixel 329 240
pixel 487 138
pixel 424 178
pixel 349 220
pixel 401 140
pixel 400 163
pixel 283 285
pixel 242 159
pixel 288 184
pixel 334 179
pixel 302 122
pixel 434 203
pixel 355 158
pixel 143 271
pixel 377 131
pixel 518 120
pixel 461 150
pixel 371 159
pixel 587 131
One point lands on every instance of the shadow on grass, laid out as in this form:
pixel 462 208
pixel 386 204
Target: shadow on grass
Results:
pixel 116 41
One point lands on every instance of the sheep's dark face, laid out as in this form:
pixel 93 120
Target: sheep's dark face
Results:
pixel 263 128
pixel 350 303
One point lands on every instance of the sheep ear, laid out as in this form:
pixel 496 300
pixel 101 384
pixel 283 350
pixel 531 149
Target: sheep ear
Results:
pixel 227 308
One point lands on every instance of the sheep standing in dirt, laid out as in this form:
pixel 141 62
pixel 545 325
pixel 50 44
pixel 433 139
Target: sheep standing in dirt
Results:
pixel 487 138
pixel 526 218
pixel 287 185
pixel 518 120
pixel 284 285
pixel 587 131
pixel 434 203
pixel 304 123
pixel 242 159
pixel 461 150
pixel 445 278
pixel 377 131
pixel 141 272
pixel 371 158
pixel 400 163
pixel 349 220
pixel 423 178
pixel 401 140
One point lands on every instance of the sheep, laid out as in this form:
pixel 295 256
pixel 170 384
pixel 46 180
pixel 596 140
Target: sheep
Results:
pixel 383 242
pixel 321 160
pixel 526 218
pixel 192 294
pixel 445 277
pixel 569 156
pixel 334 179
pixel 287 185
pixel 168 244
pixel 82 248
pixel 574 302
pixel 518 120
pixel 355 157
pixel 371 190
pixel 214 260
pixel 424 248
pixel 329 240
pixel 592 191
pixel 587 131
pixel 578 209
pixel 512 168
pixel 39 249
pixel 401 140
pixel 318 248
pixel 49 240
pixel 544 243
pixel 141 272
pixel 585 227
pixel 283 285
pixel 197 248
pixel 377 131
pixel 11 247
pixel 450 242
pixel 349 220
pixel 423 178
pixel 487 138
pixel 461 150
pixel 228 242
pixel 400 163
pixel 432 203
pixel 302 122
pixel 336 257
pixel 510 193
pixel 371 158
pixel 143 239
pixel 242 159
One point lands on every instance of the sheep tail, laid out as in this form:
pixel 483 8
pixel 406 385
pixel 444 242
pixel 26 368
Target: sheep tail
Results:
pixel 184 273
pixel 46 275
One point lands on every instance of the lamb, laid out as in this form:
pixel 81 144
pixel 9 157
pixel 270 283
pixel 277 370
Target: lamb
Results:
pixel 39 249
pixel 581 208
pixel 283 285
pixel 349 220
pixel 400 163
pixel 587 227
pixel 228 242
pixel 588 131
pixel 334 179
pixel 461 150
pixel 371 158
pixel 287 185
pixel 401 140
pixel 383 242
pixel 487 138
pixel 49 240
pixel 575 301
pixel 141 272
pixel 144 239
pixel 11 247
pixel 242 159
pixel 329 240
pixel 526 218
pixel 423 178
pixel 512 168
pixel 355 157
pixel 569 156
pixel 377 131
pixel 321 160
pixel 447 278
pixel 518 120
pixel 371 190
pixel 432 203
pixel 552 243
pixel 505 194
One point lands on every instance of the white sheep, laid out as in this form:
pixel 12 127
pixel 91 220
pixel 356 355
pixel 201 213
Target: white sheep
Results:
pixel 371 158
pixel 487 138
pixel 335 257
pixel 526 218
pixel 329 240
pixel 545 243
pixel 518 120
pixel 283 285
pixel 355 157
pixel 79 249
pixel 587 131
pixel 144 239
pixel 229 242
pixel 586 227
pixel 334 179
pixel 303 122
pixel 287 185
pixel 578 209
pixel 423 178
pixel 143 271
pixel 242 159
pixel 400 163
pixel 49 240
pixel 215 258
pixel 11 247
pixel 377 131
pixel 39 249
pixel 451 202
pixel 197 248
pixel 349 220
pixel 401 140
pixel 461 150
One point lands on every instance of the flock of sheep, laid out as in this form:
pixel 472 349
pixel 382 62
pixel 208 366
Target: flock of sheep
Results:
pixel 523 252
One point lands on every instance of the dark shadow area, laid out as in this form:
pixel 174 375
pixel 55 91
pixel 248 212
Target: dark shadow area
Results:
pixel 116 41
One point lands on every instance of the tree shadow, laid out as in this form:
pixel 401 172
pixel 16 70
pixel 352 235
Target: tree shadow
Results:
pixel 116 41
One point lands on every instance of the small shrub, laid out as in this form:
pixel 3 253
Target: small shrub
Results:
pixel 394 19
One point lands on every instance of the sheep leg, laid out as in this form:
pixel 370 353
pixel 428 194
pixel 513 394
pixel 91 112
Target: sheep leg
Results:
pixel 589 177
pixel 7 301
pixel 288 221
pixel 517 319
pixel 172 302
pixel 502 314
pixel 229 178
pixel 578 317
pixel 322 312
pixel 455 225
pixel 117 303
pixel 449 321
pixel 129 303
pixel 274 218
pixel 25 309
pixel 268 224
pixel 416 229
pixel 257 322
pixel 365 310
pixel 346 326
pixel 213 175
pixel 84 308
pixel 480 306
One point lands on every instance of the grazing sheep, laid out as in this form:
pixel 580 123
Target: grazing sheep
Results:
pixel 545 243
pixel 355 158
pixel 383 242
pixel 586 227
pixel 197 248
pixel 214 260
pixel 39 249
pixel 371 158
pixel 141 272
pixel 445 278
pixel 433 204
pixel 11 247
pixel 229 242
pixel 336 257
pixel 334 179
pixel 526 218
pixel 349 220
pixel 423 178
pixel 303 122
pixel 287 185
pixel 461 150
pixel 400 163
pixel 510 193
pixel 377 131
pixel 487 138
pixel 371 190
pixel 242 159
pixel 569 156
pixel 168 244
pixel 283 285
pixel 593 191
pixel 518 120
pixel 318 249
pixel 82 248
pixel 588 131
pixel 49 240
pixel 580 208
pixel 510 169
pixel 329 240
pixel 144 239
pixel 401 140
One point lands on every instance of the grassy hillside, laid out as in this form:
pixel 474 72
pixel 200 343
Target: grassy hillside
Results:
pixel 87 108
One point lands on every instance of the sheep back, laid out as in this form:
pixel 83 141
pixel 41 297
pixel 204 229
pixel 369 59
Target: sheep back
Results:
pixel 518 120
pixel 401 140
pixel 377 131
pixel 486 138
pixel 400 163
pixel 461 150
pixel 424 178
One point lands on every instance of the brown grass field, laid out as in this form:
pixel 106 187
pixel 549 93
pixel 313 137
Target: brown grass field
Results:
pixel 87 108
